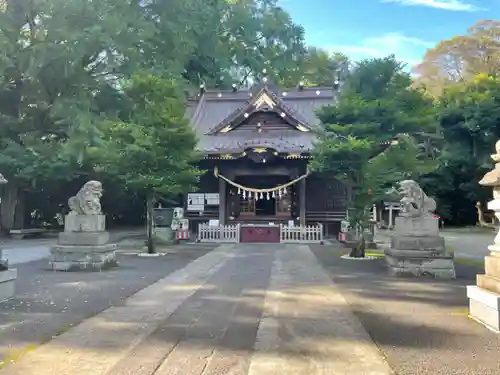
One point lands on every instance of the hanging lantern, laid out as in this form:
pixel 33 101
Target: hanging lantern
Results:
pixel 244 194
pixel 256 196
pixel 261 196
pixel 274 194
pixel 284 191
pixel 279 193
pixel 268 196
pixel 239 191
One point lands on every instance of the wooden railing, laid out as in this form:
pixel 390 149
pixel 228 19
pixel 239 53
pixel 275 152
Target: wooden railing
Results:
pixel 337 215
pixel 208 214
pixel 307 234
pixel 219 233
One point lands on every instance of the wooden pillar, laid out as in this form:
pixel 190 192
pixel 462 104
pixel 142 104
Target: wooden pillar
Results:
pixel 302 202
pixel 222 202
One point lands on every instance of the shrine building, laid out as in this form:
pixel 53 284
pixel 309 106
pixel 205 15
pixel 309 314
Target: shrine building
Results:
pixel 256 144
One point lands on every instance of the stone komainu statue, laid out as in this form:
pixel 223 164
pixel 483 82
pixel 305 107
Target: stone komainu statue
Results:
pixel 88 199
pixel 414 201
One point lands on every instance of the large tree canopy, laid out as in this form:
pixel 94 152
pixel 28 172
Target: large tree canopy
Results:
pixel 242 38
pixel 369 135
pixel 66 66
pixel 63 64
pixel 54 56
pixel 469 115
pixel 462 57
pixel 321 68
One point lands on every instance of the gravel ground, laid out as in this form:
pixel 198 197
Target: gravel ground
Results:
pixel 421 325
pixel 48 303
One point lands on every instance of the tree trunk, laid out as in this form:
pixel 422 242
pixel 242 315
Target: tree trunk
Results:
pixel 149 223
pixel 359 250
pixel 20 214
pixel 10 193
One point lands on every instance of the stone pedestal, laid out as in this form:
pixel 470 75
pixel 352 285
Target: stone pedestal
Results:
pixel 164 235
pixel 418 250
pixel 7 283
pixel 484 297
pixel 83 245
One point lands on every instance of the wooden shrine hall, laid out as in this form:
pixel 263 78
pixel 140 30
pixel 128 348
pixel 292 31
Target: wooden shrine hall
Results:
pixel 256 145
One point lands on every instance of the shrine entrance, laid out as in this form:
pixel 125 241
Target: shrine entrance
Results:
pixel 265 205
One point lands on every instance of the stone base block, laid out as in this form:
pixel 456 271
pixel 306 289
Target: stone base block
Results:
pixel 80 258
pixel 426 243
pixel 488 282
pixel 164 235
pixel 484 307
pixel 492 265
pixel 84 223
pixel 495 250
pixel 420 263
pixel 83 238
pixel 425 226
pixel 7 283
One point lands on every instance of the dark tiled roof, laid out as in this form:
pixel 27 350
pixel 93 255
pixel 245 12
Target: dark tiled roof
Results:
pixel 291 141
pixel 215 106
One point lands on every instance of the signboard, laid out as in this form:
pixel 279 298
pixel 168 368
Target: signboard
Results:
pixel 162 217
pixel 212 199
pixel 198 201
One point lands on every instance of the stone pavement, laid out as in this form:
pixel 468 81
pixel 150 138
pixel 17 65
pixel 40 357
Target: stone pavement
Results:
pixel 420 324
pixel 48 303
pixel 238 310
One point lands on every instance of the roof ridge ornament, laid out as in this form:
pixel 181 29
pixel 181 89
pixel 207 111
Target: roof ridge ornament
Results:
pixel 265 97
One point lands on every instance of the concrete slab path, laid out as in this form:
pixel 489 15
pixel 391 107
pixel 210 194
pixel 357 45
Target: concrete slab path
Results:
pixel 238 310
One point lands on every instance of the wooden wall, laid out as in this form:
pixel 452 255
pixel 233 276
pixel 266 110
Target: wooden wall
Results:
pixel 325 194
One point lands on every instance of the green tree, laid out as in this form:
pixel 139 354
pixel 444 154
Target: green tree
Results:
pixel 54 56
pixel 150 147
pixel 459 59
pixel 320 68
pixel 468 116
pixel 370 136
pixel 236 40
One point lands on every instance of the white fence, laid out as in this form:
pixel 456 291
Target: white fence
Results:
pixel 307 234
pixel 231 233
pixel 219 233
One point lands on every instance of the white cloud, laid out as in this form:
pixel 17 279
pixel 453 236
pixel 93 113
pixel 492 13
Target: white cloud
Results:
pixel 407 49
pixel 452 5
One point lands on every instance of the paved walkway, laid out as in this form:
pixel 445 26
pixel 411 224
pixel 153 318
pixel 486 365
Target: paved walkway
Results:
pixel 47 303
pixel 238 310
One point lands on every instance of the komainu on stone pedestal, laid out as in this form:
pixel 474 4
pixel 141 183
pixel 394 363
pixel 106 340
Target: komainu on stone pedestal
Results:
pixel 416 248
pixel 484 298
pixel 84 244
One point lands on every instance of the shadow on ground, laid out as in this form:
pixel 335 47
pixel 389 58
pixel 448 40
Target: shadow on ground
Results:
pixel 47 303
pixel 419 324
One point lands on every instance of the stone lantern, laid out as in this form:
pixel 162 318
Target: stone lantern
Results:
pixel 484 298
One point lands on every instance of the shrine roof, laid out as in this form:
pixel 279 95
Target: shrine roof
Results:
pixel 289 141
pixel 215 107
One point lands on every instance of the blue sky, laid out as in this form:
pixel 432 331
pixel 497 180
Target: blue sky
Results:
pixel 377 28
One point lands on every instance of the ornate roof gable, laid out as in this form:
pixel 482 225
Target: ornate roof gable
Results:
pixel 264 101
